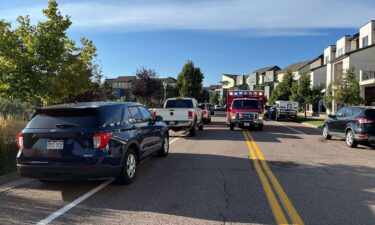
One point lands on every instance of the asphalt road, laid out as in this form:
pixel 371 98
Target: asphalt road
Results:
pixel 284 173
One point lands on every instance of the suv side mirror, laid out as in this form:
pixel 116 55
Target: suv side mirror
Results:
pixel 158 118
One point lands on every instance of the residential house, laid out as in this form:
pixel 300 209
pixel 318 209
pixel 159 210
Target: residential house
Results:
pixel 169 81
pixel 122 87
pixel 356 51
pixel 228 81
pixel 263 79
pixel 293 68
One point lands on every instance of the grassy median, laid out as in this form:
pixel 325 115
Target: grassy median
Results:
pixel 311 120
pixel 9 128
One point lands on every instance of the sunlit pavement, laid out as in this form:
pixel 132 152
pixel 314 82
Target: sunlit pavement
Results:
pixel 218 177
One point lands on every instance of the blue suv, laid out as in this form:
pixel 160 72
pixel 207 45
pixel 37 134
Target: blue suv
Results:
pixel 89 141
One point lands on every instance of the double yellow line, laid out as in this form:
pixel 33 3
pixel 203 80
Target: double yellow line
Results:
pixel 267 178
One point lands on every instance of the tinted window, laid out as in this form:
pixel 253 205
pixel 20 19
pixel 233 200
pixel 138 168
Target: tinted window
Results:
pixel 357 112
pixel 348 112
pixel 136 116
pixel 245 104
pixel 179 103
pixel 370 113
pixel 146 115
pixel 340 112
pixel 76 118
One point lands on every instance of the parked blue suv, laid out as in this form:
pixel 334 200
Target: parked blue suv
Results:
pixel 355 123
pixel 89 141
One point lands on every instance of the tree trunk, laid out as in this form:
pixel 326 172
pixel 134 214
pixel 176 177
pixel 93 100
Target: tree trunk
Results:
pixel 305 112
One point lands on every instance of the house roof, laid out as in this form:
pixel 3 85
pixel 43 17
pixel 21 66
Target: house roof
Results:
pixel 233 76
pixel 168 80
pixel 215 86
pixel 294 67
pixel 306 68
pixel 125 78
pixel 265 69
pixel 110 80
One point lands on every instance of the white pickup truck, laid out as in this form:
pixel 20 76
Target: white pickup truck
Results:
pixel 182 114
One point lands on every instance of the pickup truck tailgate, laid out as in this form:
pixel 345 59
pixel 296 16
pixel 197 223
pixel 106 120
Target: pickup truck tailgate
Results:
pixel 173 114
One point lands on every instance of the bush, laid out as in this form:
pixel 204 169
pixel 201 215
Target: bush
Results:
pixel 9 128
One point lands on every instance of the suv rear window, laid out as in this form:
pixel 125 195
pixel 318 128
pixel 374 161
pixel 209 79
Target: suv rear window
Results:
pixel 76 118
pixel 179 103
pixel 370 113
pixel 245 104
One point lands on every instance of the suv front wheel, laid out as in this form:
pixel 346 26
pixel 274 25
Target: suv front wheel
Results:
pixel 350 141
pixel 326 133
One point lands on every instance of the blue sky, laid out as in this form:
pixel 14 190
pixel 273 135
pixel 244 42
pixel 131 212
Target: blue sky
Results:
pixel 220 36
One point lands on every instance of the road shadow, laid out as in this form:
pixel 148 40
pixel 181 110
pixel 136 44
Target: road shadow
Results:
pixel 212 188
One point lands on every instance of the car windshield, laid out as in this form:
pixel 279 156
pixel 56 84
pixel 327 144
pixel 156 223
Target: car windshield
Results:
pixel 245 104
pixel 179 103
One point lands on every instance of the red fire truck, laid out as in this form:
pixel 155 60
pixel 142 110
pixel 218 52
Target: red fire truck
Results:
pixel 245 109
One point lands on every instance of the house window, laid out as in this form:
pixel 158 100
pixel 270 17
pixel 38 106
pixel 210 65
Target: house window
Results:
pixel 340 52
pixel 365 42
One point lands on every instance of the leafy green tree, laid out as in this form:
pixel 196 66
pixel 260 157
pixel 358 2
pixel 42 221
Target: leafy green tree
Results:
pixel 328 97
pixel 346 89
pixel 147 88
pixel 172 91
pixel 39 63
pixel 214 98
pixel 205 96
pixel 189 81
pixel 283 91
pixel 301 91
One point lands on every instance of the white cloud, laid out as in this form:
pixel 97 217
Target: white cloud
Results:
pixel 258 17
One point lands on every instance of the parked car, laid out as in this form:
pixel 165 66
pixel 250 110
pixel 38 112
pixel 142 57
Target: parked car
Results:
pixel 90 140
pixel 355 124
pixel 205 113
pixel 182 114
pixel 211 108
pixel 270 112
pixel 246 109
pixel 285 109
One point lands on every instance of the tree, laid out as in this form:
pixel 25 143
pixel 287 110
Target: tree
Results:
pixel 214 98
pixel 189 81
pixel 172 91
pixel 328 97
pixel 205 96
pixel 147 88
pixel 301 91
pixel 39 63
pixel 283 91
pixel 346 89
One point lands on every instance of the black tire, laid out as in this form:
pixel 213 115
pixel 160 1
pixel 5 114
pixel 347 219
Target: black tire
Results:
pixel 231 126
pixel 164 150
pixel 260 127
pixel 193 130
pixel 352 143
pixel 325 133
pixel 128 176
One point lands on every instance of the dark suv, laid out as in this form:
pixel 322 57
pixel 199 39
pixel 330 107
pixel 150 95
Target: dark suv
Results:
pixel 355 124
pixel 89 141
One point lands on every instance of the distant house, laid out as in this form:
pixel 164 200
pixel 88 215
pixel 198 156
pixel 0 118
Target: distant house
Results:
pixel 168 81
pixel 295 68
pixel 263 79
pixel 228 81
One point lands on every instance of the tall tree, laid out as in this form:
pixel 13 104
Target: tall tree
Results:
pixel 346 89
pixel 189 81
pixel 44 64
pixel 214 98
pixel 147 88
pixel 301 91
pixel 283 91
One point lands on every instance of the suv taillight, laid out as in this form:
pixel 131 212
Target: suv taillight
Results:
pixel 101 139
pixel 190 115
pixel 20 141
pixel 363 120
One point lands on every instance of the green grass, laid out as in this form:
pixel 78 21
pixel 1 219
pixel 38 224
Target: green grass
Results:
pixel 311 120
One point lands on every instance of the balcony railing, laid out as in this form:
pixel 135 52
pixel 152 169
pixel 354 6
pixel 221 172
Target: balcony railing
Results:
pixel 367 75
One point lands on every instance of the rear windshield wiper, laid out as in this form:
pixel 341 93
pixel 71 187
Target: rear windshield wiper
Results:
pixel 65 125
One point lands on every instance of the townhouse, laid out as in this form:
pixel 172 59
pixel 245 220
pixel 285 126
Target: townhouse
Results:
pixel 356 51
pixel 294 68
pixel 257 79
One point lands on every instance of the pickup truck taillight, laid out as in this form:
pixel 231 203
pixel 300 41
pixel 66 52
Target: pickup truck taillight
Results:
pixel 363 120
pixel 190 115
pixel 101 139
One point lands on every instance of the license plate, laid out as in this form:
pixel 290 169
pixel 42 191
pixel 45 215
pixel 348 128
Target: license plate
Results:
pixel 172 123
pixel 246 124
pixel 57 145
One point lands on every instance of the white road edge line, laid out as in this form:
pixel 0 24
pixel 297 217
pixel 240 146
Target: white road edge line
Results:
pixel 290 128
pixel 71 205
pixel 64 209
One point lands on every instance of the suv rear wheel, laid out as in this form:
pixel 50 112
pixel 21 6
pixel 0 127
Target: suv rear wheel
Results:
pixel 129 168
pixel 326 133
pixel 350 141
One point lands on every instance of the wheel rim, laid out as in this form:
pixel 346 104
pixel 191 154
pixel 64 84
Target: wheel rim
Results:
pixel 130 165
pixel 166 145
pixel 325 132
pixel 349 138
